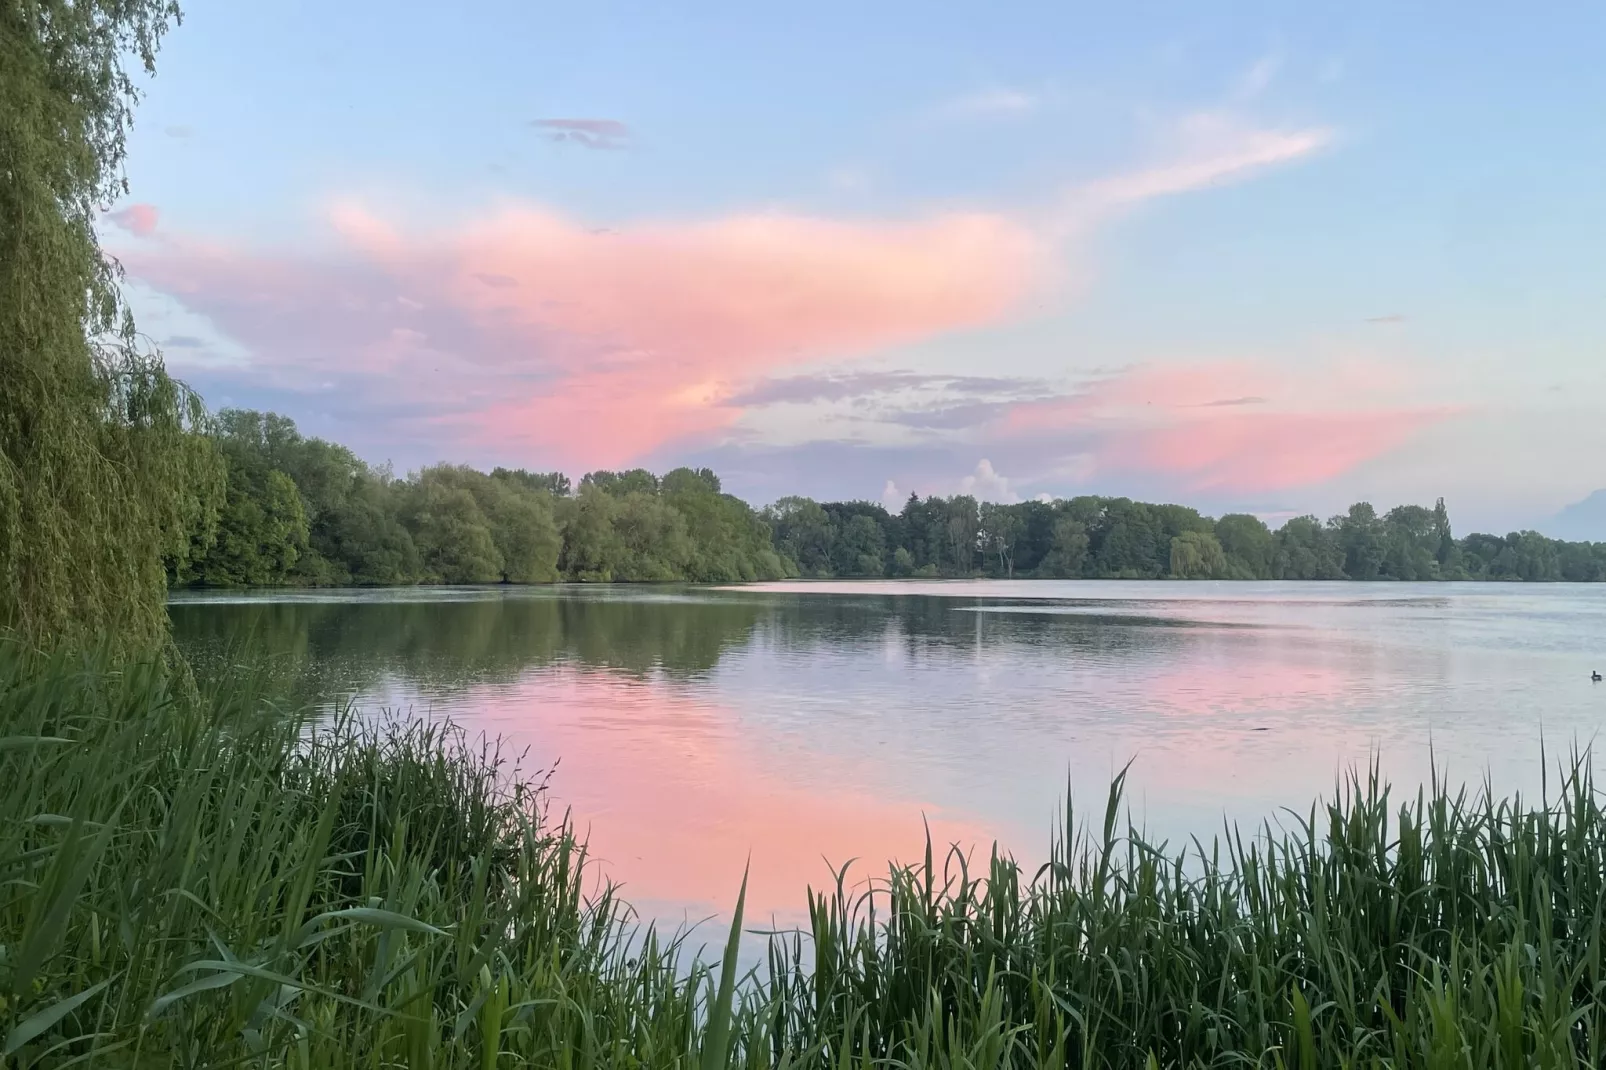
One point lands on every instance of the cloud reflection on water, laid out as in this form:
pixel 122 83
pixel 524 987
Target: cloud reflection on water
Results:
pixel 810 722
pixel 673 794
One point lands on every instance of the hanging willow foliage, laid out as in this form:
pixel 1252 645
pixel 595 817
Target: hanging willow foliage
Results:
pixel 102 472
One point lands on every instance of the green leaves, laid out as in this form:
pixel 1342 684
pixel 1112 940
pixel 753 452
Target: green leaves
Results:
pixel 70 868
pixel 101 473
pixel 721 1010
pixel 41 1022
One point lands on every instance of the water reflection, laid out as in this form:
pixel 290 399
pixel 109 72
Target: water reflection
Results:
pixel 466 636
pixel 676 796
pixel 805 723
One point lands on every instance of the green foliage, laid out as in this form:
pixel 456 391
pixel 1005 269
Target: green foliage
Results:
pixel 1306 550
pixel 651 539
pixel 1197 555
pixel 363 542
pixel 1067 550
pixel 1361 535
pixel 260 535
pixel 728 543
pixel 514 515
pixel 805 533
pixel 452 535
pixel 1092 537
pixel 261 530
pixel 348 523
pixel 637 480
pixel 353 535
pixel 590 544
pixel 102 479
pixel 1001 530
pixel 204 879
pixel 624 535
pixel 523 528
pixel 554 483
pixel 453 524
pixel 1249 546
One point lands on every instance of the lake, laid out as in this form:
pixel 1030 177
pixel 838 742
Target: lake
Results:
pixel 807 724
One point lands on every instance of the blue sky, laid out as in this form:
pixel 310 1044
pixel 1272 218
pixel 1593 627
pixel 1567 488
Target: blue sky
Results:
pixel 1259 256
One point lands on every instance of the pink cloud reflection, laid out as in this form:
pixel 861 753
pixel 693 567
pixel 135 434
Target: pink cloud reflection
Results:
pixel 676 799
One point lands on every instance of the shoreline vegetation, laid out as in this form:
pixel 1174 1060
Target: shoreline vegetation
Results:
pixel 304 512
pixel 198 876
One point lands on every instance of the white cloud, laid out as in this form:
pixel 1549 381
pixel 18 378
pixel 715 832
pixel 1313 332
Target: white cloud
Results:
pixel 988 485
pixel 892 497
pixel 992 103
pixel 1205 149
pixel 848 179
pixel 1254 81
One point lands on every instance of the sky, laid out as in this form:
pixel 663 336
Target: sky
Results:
pixel 1262 257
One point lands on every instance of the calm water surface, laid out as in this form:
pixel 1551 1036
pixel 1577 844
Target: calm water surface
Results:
pixel 807 724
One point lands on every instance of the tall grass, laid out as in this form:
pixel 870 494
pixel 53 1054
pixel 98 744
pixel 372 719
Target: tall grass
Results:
pixel 192 880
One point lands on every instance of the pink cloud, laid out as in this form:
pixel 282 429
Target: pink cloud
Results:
pixel 524 334
pixel 1228 426
pixel 597 347
pixel 138 219
pixel 1268 451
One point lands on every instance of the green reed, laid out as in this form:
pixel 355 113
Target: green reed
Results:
pixel 195 877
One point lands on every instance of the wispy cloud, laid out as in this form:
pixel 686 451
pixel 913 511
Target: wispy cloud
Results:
pixel 1258 77
pixel 964 416
pixel 1227 403
pixel 1206 149
pixel 990 103
pixel 804 389
pixel 587 133
pixel 1392 317
pixel 847 179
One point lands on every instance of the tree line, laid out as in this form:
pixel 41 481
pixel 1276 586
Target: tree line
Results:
pixel 298 510
pixel 303 511
pixel 1097 537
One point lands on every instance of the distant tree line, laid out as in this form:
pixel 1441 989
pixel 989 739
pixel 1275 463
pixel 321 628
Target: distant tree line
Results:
pixel 1093 537
pixel 302 511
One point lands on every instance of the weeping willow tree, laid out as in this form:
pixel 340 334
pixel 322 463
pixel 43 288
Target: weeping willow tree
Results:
pixel 103 475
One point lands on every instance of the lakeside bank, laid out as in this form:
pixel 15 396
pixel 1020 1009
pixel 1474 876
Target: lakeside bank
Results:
pixel 196 879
